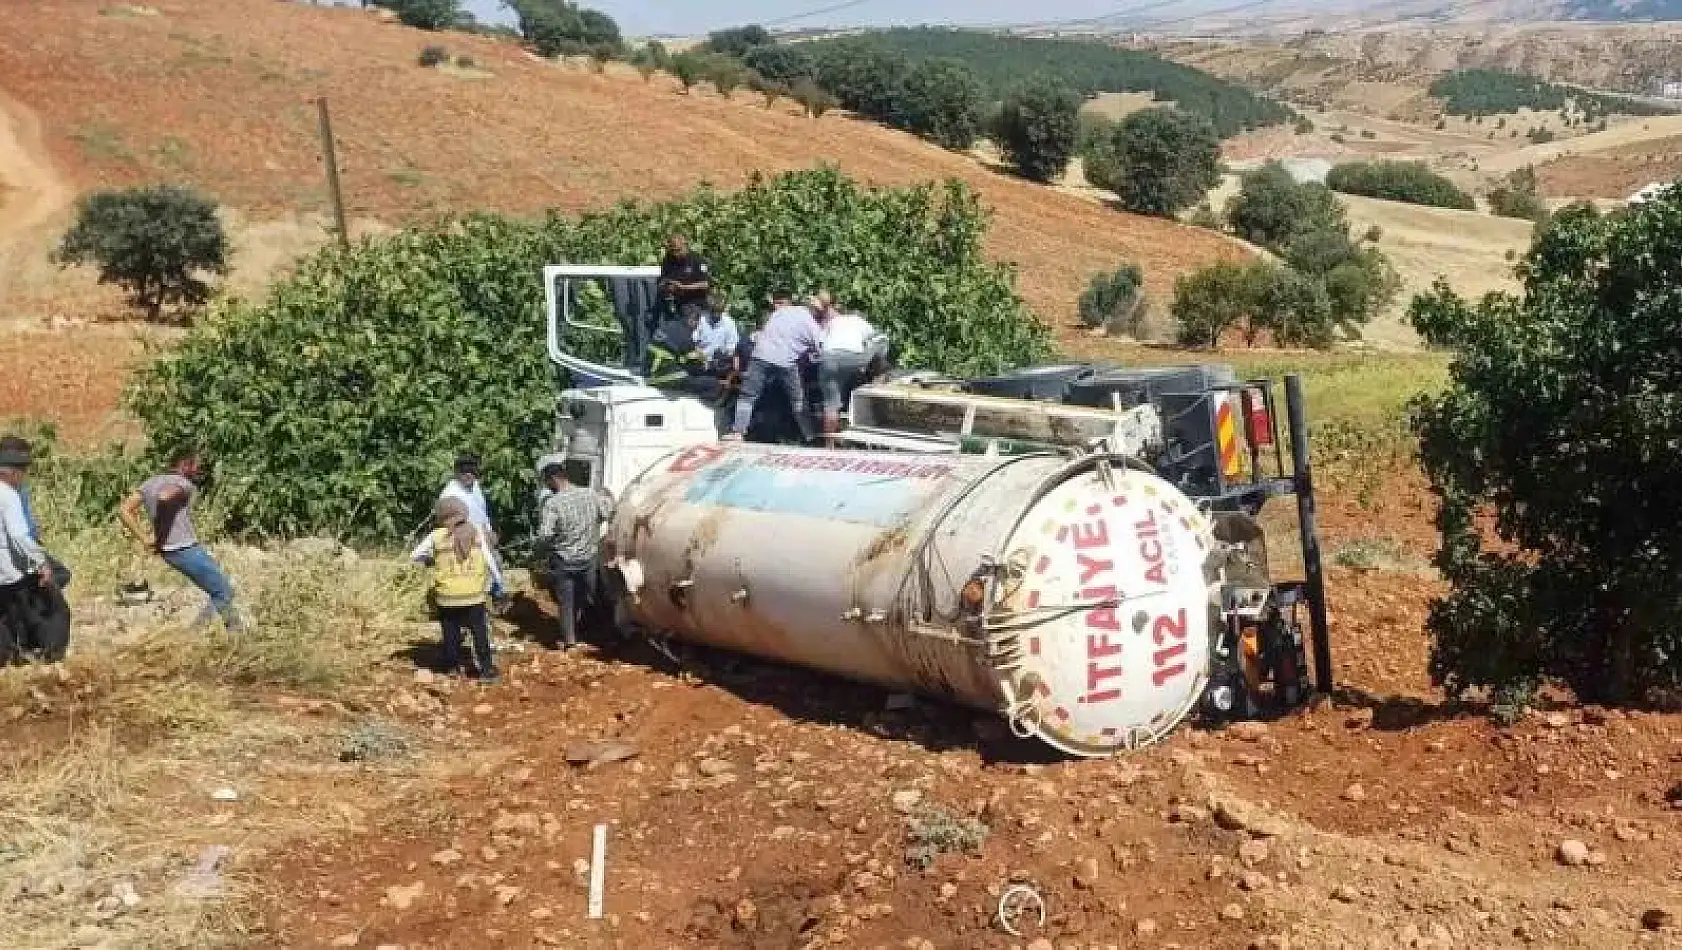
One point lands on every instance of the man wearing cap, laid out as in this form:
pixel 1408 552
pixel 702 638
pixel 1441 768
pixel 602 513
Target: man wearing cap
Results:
pixel 28 593
pixel 466 488
pixel 789 336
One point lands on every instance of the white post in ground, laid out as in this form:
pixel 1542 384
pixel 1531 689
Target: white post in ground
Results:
pixel 598 856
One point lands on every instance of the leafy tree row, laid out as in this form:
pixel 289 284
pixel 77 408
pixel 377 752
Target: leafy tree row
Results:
pixel 1325 284
pixel 1562 421
pixel 1410 182
pixel 1480 92
pixel 550 27
pixel 1087 68
pixel 333 404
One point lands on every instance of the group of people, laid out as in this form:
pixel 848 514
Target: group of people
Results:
pixel 840 344
pixel 466 573
pixel 34 616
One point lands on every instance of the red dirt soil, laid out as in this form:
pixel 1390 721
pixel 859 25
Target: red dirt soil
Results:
pixel 793 838
pixel 220 93
pixel 1613 173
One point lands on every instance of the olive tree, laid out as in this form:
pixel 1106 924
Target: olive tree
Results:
pixel 155 242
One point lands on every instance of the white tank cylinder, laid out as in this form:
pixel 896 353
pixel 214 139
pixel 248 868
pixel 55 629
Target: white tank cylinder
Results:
pixel 1073 597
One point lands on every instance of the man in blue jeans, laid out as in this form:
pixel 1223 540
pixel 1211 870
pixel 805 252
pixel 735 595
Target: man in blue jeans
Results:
pixel 790 335
pixel 168 502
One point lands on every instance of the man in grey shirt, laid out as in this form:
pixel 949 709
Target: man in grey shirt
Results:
pixel 167 500
pixel 789 336
pixel 570 531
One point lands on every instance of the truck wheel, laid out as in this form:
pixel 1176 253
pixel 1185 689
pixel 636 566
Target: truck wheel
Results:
pixel 1050 383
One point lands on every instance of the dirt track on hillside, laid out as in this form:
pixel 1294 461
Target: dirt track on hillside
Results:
pixel 32 196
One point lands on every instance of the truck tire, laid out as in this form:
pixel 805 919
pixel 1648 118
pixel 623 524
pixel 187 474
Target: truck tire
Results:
pixel 1049 383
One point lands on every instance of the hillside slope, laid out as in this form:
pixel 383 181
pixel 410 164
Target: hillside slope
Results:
pixel 220 93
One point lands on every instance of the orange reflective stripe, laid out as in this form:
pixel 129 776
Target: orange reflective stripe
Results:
pixel 1226 438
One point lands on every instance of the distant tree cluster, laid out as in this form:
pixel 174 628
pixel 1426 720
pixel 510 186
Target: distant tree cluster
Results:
pixel 1086 68
pixel 563 28
pixel 1409 182
pixel 1480 92
pixel 1325 283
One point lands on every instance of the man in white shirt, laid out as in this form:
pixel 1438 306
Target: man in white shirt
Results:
pixel 849 344
pixel 717 336
pixel 27 590
pixel 465 488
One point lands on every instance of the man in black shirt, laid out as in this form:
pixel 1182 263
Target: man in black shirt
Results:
pixel 685 277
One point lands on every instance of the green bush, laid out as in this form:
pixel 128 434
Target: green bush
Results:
pixel 1271 208
pixel 738 41
pixel 433 56
pixel 943 100
pixel 425 14
pixel 1158 161
pixel 336 404
pixel 779 63
pixel 689 67
pixel 1214 300
pixel 1563 422
pixel 1519 197
pixel 1409 182
pixel 562 28
pixel 813 99
pixel 864 77
pixel 154 242
pixel 1038 126
pixel 1115 301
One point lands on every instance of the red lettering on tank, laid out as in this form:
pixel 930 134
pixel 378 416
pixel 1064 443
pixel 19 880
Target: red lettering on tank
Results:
pixel 1164 673
pixel 1103 618
pixel 1163 629
pixel 1091 535
pixel 1099 645
pixel 1165 626
pixel 1091 567
pixel 1145 531
pixel 1095 677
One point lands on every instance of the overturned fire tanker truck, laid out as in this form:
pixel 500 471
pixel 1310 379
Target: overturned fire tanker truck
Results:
pixel 1080 549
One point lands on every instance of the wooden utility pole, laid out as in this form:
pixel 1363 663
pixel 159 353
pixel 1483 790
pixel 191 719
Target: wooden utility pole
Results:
pixel 332 161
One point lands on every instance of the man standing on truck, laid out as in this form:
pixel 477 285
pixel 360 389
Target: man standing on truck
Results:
pixel 850 343
pixel 685 277
pixel 570 530
pixel 789 336
pixel 168 502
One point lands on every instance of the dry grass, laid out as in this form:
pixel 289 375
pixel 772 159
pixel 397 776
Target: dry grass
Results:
pixel 118 749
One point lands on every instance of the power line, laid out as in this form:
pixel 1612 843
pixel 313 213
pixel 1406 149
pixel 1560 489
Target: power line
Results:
pixel 1157 24
pixel 820 11
pixel 1117 14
